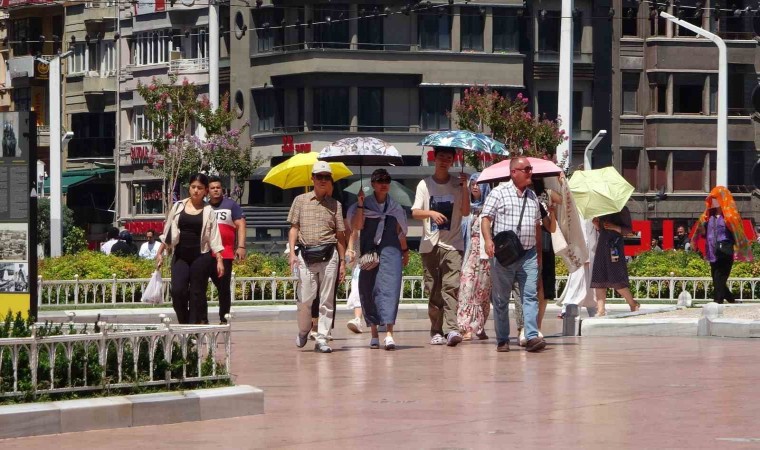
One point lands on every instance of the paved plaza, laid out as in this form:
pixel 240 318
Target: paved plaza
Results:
pixel 644 392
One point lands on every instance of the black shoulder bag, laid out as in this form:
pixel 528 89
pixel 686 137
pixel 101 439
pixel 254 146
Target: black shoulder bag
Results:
pixel 507 245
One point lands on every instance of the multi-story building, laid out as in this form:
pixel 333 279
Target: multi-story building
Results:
pixel 664 124
pixel 5 79
pixel 157 39
pixel 315 72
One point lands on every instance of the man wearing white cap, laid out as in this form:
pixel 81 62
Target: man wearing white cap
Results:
pixel 316 220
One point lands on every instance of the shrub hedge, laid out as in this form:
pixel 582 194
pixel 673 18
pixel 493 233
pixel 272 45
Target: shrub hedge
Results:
pixel 95 265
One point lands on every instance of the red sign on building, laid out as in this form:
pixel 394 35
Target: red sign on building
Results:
pixel 142 154
pixel 288 147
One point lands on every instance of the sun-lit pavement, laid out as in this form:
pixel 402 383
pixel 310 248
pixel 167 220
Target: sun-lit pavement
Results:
pixel 579 393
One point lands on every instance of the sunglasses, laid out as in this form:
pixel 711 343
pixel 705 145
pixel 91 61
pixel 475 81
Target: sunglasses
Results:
pixel 383 180
pixel 319 177
pixel 526 169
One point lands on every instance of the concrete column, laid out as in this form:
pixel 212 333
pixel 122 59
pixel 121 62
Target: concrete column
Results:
pixel 414 110
pixel 669 27
pixel 706 173
pixel 353 107
pixel 643 171
pixel 565 84
pixel 308 14
pixel 456 96
pixel 456 30
pixel 414 39
pixel 668 174
pixel 353 25
pixel 291 108
pixel 488 31
pixel 308 108
pixel 669 94
pixel 706 96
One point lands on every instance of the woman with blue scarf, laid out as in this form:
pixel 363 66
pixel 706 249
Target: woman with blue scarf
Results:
pixel 382 222
pixel 475 291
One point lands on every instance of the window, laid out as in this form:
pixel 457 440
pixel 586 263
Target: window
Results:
pixel 690 11
pixel 736 96
pixel 198 44
pixel 370 28
pixel 688 170
pixel 548 105
pixel 94 135
pixel 472 24
pixel 333 34
pixel 630 165
pixel 27 29
pixel 269 35
pixel 435 105
pixel 22 99
pixel 658 25
pixel 331 109
pixel 658 86
pixel 630 19
pixel 147 197
pixel 268 104
pixel 506 30
pixel 151 48
pixel 658 164
pixel 434 31
pixel 142 128
pixel 687 93
pixel 93 59
pixel 549 25
pixel 630 92
pixel 371 109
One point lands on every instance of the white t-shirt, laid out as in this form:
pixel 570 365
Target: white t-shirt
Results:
pixel 446 198
pixel 106 246
pixel 147 252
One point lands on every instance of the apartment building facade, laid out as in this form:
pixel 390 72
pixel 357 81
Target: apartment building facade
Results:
pixel 665 108
pixel 157 39
pixel 313 73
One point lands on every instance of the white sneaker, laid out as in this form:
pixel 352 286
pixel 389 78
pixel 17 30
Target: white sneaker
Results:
pixel 437 340
pixel 540 335
pixel 523 339
pixel 355 325
pixel 312 335
pixel 389 343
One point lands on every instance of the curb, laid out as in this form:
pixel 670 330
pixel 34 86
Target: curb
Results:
pixel 35 419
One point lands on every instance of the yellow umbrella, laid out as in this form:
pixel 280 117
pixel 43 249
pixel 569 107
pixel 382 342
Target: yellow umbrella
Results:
pixel 599 192
pixel 296 171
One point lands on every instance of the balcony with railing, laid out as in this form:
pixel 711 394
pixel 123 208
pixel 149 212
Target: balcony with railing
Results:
pixel 188 65
pixel 19 3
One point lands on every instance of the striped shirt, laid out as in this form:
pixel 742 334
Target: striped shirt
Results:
pixel 503 207
pixel 318 222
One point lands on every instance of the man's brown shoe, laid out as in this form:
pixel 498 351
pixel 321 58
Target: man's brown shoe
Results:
pixel 503 347
pixel 535 345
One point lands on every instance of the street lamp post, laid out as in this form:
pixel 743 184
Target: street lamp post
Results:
pixel 590 149
pixel 722 145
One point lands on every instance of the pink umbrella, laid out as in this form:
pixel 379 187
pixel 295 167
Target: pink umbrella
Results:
pixel 500 171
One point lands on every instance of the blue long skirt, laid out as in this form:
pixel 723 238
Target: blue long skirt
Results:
pixel 380 288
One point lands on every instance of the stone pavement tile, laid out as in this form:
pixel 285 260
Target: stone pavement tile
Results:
pixel 635 392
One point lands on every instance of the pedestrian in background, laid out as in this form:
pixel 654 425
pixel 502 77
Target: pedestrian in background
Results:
pixel 475 286
pixel 231 222
pixel 316 229
pixel 382 225
pixel 149 249
pixel 113 238
pixel 124 246
pixel 440 202
pixel 721 225
pixel 610 269
pixel 681 242
pixel 191 233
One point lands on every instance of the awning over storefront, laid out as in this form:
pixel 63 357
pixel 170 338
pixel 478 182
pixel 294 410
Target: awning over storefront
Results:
pixel 76 177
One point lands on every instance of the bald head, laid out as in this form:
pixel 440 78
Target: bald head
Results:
pixel 520 171
pixel 517 162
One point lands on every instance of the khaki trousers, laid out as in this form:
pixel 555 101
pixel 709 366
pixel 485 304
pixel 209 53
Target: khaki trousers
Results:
pixel 442 273
pixel 317 278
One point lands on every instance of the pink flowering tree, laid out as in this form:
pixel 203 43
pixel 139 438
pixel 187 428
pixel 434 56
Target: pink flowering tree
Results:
pixel 507 120
pixel 171 108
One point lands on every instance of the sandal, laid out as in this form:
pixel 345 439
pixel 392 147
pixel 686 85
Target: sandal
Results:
pixel 374 343
pixel 389 343
pixel 637 307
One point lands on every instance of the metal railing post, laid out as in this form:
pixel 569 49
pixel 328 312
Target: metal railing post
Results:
pixel 76 289
pixel 113 289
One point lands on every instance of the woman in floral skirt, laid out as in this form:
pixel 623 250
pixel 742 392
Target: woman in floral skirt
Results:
pixel 475 291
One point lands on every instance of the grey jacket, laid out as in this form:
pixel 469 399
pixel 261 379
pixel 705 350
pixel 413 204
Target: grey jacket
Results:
pixel 210 237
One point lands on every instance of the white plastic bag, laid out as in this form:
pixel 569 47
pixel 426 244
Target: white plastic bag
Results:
pixel 153 292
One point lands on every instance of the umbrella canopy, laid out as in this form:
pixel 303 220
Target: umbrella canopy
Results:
pixel 500 171
pixel 402 194
pixel 466 140
pixel 362 151
pixel 599 192
pixel 296 171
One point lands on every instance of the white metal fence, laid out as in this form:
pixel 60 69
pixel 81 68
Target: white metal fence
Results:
pixel 70 358
pixel 116 292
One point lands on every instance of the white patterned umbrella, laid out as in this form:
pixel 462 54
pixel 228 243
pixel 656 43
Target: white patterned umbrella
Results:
pixel 362 151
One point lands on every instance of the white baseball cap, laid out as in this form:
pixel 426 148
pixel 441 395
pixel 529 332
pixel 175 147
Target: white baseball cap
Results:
pixel 321 167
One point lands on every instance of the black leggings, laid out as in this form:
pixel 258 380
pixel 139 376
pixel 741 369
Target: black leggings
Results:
pixel 720 270
pixel 223 288
pixel 189 283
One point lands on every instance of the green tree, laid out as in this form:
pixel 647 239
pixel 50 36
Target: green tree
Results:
pixel 507 120
pixel 71 232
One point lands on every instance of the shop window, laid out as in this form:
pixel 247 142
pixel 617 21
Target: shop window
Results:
pixel 147 198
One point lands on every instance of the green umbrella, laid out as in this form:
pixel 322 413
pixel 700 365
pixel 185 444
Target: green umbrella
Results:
pixel 402 194
pixel 599 192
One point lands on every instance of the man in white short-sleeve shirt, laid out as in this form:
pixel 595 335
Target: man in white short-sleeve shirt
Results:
pixel 440 202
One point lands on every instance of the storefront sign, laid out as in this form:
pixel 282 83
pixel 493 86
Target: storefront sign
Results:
pixel 288 147
pixel 18 214
pixel 142 154
pixel 41 70
pixel 149 6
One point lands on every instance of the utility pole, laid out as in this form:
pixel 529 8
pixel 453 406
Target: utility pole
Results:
pixel 721 166
pixel 213 57
pixel 565 90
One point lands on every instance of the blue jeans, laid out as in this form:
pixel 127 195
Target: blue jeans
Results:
pixel 525 272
